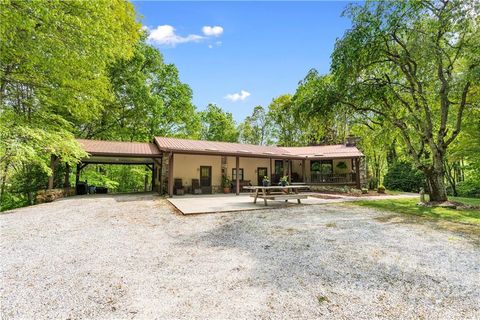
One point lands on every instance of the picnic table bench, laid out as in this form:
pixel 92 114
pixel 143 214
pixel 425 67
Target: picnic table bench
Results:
pixel 277 193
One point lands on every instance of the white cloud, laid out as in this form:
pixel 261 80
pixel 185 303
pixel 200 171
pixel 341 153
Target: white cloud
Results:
pixel 210 46
pixel 238 96
pixel 214 31
pixel 165 35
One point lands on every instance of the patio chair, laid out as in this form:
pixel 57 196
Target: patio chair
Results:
pixel 196 187
pixel 178 187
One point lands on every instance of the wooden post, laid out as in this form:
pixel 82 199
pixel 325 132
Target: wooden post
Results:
pixel 303 171
pixel 271 173
pixel 53 160
pixel 77 174
pixel 145 180
pixel 237 165
pixel 284 167
pixel 289 171
pixel 160 176
pixel 154 169
pixel 170 174
pixel 357 173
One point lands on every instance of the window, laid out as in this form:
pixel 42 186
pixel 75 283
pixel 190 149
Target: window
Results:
pixel 321 166
pixel 234 174
pixel 279 167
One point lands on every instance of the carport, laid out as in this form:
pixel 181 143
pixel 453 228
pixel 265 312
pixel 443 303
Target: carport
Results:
pixel 122 153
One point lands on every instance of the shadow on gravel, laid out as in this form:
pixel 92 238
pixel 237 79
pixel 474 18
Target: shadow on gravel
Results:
pixel 334 259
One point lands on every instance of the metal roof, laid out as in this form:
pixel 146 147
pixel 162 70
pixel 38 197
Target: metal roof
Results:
pixel 177 145
pixel 240 149
pixel 328 151
pixel 119 148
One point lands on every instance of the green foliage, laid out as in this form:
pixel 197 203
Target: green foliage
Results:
pixel 469 188
pixel 218 125
pixel 150 100
pixel 285 128
pixel 117 178
pixel 410 207
pixel 53 74
pixel 414 65
pixel 226 182
pixel 256 128
pixel 402 176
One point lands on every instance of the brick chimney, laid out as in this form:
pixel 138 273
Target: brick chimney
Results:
pixel 351 141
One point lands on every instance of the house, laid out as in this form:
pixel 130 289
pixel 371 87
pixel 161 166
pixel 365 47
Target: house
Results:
pixel 187 162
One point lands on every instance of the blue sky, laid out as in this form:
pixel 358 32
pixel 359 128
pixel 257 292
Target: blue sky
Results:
pixel 262 48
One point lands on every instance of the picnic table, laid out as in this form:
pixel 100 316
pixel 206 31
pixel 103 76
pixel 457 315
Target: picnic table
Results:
pixel 286 193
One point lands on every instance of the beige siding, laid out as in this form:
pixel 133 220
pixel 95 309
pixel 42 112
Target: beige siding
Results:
pixel 249 166
pixel 187 167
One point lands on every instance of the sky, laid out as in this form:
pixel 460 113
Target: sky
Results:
pixel 242 54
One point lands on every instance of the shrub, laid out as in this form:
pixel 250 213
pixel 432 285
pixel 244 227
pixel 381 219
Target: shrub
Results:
pixel 402 176
pixel 468 188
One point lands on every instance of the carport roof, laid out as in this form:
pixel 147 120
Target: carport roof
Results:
pixel 119 148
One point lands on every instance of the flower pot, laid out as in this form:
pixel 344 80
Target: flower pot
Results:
pixel 226 190
pixel 283 183
pixel 265 183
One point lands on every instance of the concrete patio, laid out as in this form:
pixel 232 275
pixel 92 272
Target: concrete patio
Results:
pixel 195 204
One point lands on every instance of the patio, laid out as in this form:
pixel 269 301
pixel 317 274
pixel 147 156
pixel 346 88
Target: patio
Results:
pixel 211 203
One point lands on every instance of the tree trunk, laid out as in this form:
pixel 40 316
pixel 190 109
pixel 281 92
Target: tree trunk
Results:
pixel 436 185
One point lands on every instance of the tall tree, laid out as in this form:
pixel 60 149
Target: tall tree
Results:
pixel 255 129
pixel 413 64
pixel 53 72
pixel 282 114
pixel 315 113
pixel 218 125
pixel 149 100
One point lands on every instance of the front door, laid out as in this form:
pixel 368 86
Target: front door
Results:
pixel 261 173
pixel 206 179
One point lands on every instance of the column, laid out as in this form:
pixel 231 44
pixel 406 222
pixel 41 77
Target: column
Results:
pixel 237 165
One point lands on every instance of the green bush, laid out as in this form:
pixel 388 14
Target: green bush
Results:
pixel 403 177
pixel 469 188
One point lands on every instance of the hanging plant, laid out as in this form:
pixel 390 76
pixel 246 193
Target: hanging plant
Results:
pixel 342 165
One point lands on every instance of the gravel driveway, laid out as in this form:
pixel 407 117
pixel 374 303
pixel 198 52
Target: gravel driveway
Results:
pixel 129 256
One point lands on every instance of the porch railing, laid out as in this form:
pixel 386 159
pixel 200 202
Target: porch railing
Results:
pixel 317 177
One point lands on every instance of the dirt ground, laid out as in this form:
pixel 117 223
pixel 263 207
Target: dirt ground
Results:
pixel 132 256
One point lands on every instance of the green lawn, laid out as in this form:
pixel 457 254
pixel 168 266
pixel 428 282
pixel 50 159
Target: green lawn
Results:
pixel 409 206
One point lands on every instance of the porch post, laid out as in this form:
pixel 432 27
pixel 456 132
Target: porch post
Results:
pixel 237 165
pixel 357 172
pixel 154 169
pixel 170 174
pixel 271 173
pixel 289 171
pixel 77 174
pixel 303 171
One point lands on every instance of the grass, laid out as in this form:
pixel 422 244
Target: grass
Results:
pixel 410 207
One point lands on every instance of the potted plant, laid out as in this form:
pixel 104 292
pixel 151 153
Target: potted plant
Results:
pixel 226 184
pixel 381 189
pixel 284 181
pixel 266 181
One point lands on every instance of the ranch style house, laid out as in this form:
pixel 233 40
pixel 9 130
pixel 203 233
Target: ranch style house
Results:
pixel 195 166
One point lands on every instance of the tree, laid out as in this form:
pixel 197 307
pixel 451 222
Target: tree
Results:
pixel 414 65
pixel 53 73
pixel 150 100
pixel 282 114
pixel 255 129
pixel 315 113
pixel 218 125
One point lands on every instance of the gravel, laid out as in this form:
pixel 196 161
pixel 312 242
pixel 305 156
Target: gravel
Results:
pixel 131 256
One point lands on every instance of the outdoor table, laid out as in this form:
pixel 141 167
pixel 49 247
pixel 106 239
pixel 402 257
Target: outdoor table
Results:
pixel 277 192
